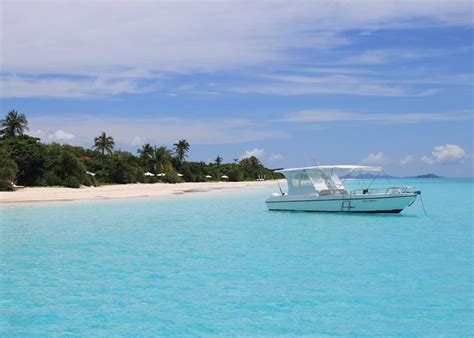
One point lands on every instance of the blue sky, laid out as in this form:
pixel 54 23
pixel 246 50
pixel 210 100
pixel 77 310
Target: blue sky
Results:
pixel 386 83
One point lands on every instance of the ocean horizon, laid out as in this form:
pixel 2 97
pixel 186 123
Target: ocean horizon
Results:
pixel 222 264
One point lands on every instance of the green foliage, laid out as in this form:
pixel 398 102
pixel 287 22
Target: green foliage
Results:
pixel 104 144
pixel 28 161
pixel 235 175
pixel 8 171
pixel 13 125
pixel 72 182
pixel 181 149
pixel 28 154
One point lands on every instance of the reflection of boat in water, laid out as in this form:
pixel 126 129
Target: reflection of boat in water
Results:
pixel 320 188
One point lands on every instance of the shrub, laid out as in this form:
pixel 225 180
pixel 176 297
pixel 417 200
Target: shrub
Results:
pixel 72 182
pixel 8 171
pixel 50 179
pixel 235 175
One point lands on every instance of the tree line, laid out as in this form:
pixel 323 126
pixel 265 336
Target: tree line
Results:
pixel 26 161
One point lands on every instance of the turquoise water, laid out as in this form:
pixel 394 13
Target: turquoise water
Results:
pixel 221 264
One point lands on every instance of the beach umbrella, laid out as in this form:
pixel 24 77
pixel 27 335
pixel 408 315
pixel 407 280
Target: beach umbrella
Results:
pixel 148 174
pixel 89 173
pixel 180 175
pixel 225 177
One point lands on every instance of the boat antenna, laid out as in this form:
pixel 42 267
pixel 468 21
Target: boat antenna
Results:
pixel 307 161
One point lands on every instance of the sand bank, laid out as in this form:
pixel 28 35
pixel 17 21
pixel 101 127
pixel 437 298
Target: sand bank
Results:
pixel 57 194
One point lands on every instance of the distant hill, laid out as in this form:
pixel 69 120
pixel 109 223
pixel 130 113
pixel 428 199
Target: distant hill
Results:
pixel 372 176
pixel 426 176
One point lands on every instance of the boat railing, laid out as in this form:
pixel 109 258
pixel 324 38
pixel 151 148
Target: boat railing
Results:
pixel 379 191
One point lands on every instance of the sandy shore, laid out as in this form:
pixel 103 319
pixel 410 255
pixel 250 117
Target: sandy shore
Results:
pixel 45 195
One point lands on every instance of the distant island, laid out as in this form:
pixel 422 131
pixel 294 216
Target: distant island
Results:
pixel 372 176
pixel 426 176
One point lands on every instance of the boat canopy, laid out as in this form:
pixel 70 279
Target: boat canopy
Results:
pixel 342 168
pixel 320 180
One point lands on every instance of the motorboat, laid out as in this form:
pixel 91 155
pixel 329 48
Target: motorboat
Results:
pixel 323 188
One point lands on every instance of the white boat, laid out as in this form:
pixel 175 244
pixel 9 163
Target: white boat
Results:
pixel 321 189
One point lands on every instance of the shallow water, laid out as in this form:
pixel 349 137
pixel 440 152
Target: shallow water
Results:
pixel 207 264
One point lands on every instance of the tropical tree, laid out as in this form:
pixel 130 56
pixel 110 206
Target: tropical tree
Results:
pixel 13 125
pixel 180 149
pixel 146 155
pixel 161 158
pixel 104 143
pixel 218 160
pixel 146 151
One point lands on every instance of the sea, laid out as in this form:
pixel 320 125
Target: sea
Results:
pixel 207 264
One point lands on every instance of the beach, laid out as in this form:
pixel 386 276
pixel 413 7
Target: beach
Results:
pixel 119 191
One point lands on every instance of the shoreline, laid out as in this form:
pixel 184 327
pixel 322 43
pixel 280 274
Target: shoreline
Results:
pixel 42 195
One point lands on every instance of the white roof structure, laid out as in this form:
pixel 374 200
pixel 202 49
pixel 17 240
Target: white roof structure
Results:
pixel 225 176
pixel 148 174
pixel 321 179
pixel 208 176
pixel 334 168
pixel 89 173
pixel 180 175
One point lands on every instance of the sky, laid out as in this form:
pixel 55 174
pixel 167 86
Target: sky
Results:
pixel 386 83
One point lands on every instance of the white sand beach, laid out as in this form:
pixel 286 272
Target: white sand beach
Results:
pixel 106 192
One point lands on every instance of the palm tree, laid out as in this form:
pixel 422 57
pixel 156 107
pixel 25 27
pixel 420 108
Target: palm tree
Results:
pixel 104 143
pixel 146 151
pixel 161 157
pixel 218 160
pixel 14 124
pixel 180 149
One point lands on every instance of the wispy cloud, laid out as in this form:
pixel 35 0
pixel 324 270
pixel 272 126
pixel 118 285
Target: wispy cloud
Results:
pixel 330 115
pixel 130 40
pixel 333 84
pixel 407 160
pixel 18 86
pixel 165 130
pixel 374 159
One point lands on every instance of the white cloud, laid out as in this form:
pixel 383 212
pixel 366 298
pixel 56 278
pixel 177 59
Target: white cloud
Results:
pixel 108 36
pixel 449 153
pixel 16 86
pixel 407 160
pixel 373 159
pixel 275 157
pixel 256 152
pixel 61 135
pixel 136 141
pixel 331 115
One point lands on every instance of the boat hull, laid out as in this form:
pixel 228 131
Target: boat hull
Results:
pixel 386 203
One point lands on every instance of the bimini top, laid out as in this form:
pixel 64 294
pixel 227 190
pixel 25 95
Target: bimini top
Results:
pixel 320 180
pixel 333 168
